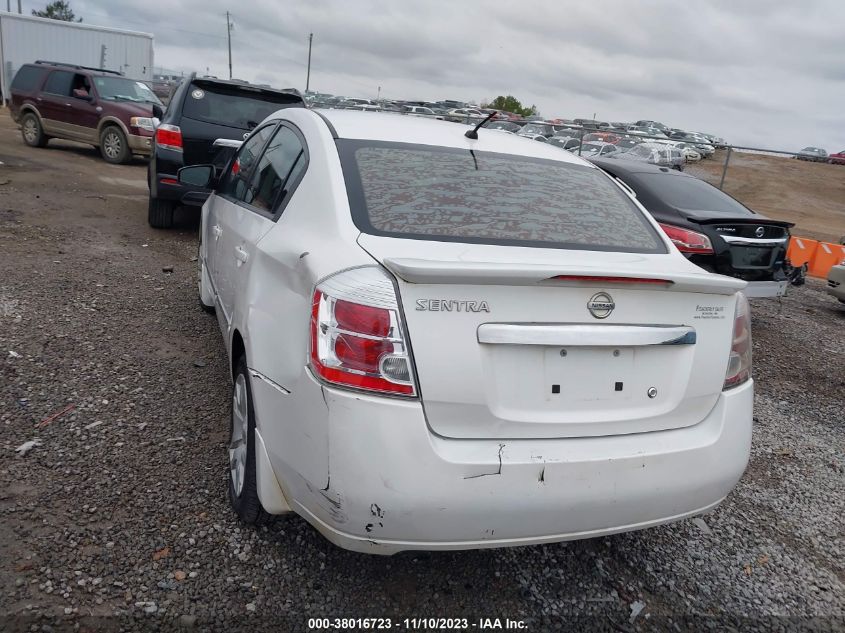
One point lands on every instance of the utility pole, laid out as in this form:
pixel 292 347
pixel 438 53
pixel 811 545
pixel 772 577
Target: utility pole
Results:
pixel 229 37
pixel 308 76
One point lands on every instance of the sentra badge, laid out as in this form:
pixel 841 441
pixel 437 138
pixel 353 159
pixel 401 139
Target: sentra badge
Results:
pixel 452 305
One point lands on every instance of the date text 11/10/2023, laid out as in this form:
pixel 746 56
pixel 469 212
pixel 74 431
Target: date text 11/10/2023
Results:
pixel 416 624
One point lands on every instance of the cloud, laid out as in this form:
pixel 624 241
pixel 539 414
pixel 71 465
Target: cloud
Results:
pixel 753 71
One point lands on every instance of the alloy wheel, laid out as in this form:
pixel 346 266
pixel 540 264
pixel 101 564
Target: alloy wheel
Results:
pixel 240 429
pixel 30 131
pixel 111 145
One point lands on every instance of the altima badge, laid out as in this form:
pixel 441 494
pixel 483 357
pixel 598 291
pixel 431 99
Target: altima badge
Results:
pixel 601 305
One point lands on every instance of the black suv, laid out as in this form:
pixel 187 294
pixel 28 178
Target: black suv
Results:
pixel 714 230
pixel 202 110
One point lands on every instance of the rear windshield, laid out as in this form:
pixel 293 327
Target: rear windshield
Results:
pixel 454 195
pixel 28 78
pixel 233 107
pixel 684 192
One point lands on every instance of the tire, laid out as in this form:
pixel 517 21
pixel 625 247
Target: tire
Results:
pixel 243 489
pixel 114 147
pixel 32 132
pixel 160 213
pixel 204 293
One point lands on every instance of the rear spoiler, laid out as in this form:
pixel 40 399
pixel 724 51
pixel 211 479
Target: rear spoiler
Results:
pixel 760 220
pixel 424 271
pixel 292 95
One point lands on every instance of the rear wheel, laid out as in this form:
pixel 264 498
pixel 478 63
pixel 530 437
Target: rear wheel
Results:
pixel 113 145
pixel 243 489
pixel 160 213
pixel 32 132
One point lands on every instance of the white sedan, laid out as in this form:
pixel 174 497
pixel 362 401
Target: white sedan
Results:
pixel 443 342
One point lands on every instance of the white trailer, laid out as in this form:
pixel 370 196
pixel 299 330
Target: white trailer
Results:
pixel 25 39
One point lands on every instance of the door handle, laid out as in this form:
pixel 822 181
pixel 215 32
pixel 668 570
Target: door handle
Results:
pixel 241 255
pixel 217 231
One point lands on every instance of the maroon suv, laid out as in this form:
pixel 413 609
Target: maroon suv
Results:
pixel 91 105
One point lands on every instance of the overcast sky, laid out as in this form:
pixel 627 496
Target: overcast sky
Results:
pixel 761 72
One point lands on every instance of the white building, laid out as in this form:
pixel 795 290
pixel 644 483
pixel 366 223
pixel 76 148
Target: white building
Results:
pixel 25 39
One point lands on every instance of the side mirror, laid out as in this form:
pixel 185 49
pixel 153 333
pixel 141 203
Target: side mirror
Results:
pixel 157 111
pixel 197 176
pixel 79 93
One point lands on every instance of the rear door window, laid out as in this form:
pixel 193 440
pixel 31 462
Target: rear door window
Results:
pixel 277 172
pixel 454 195
pixel 28 78
pixel 236 182
pixel 59 83
pixel 238 107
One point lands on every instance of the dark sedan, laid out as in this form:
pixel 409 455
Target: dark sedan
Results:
pixel 711 228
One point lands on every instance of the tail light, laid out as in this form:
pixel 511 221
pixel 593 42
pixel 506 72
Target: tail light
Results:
pixel 739 363
pixel 688 241
pixel 169 137
pixel 357 335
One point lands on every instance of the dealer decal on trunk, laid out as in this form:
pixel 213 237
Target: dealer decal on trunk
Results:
pixel 709 312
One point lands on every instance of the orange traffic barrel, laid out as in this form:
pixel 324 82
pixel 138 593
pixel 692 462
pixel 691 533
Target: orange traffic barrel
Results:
pixel 826 256
pixel 801 250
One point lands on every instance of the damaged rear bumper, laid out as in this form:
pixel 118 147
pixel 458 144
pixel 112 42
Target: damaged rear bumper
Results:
pixel 764 289
pixel 393 485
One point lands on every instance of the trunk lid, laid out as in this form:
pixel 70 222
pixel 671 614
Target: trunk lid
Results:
pixel 754 244
pixel 556 347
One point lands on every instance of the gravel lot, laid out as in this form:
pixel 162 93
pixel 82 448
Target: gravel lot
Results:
pixel 118 519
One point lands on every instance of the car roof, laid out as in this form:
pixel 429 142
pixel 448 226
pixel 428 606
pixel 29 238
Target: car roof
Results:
pixel 48 65
pixel 624 167
pixel 397 128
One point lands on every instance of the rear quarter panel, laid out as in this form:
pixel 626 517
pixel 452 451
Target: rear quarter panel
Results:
pixel 313 238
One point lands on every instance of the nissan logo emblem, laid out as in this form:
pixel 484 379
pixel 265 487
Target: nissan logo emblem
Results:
pixel 760 232
pixel 601 305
